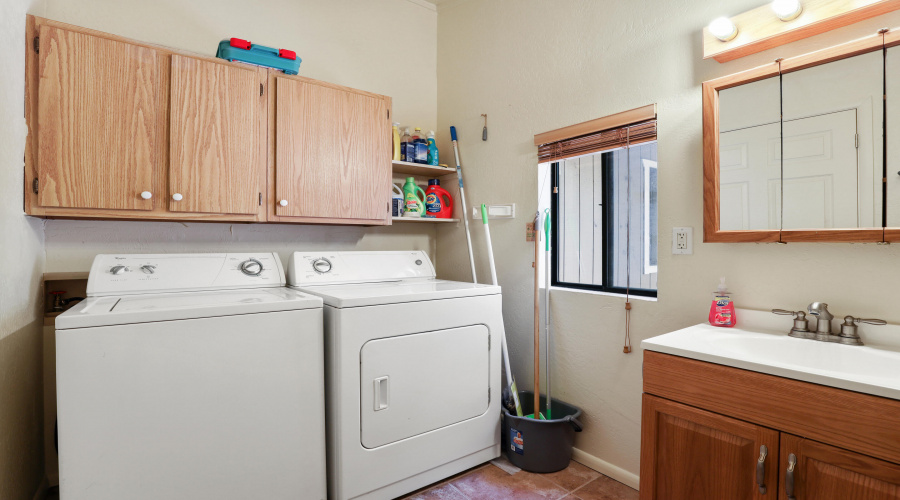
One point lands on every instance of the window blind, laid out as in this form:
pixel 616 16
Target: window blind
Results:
pixel 598 141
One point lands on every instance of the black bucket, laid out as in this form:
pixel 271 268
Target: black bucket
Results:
pixel 540 445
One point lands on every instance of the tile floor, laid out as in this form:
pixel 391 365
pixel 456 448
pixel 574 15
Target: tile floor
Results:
pixel 489 482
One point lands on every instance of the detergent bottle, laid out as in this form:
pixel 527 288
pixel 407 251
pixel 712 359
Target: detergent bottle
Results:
pixel 407 149
pixel 396 132
pixel 438 202
pixel 432 150
pixel 420 146
pixel 721 312
pixel 414 205
pixel 396 201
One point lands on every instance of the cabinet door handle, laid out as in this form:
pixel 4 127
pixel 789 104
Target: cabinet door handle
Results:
pixel 789 480
pixel 146 195
pixel 761 469
pixel 177 197
pixel 283 203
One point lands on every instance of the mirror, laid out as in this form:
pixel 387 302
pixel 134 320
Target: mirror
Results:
pixel 795 150
pixel 749 156
pixel 892 137
pixel 832 168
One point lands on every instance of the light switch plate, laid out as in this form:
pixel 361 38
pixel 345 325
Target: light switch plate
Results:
pixel 682 240
pixel 506 211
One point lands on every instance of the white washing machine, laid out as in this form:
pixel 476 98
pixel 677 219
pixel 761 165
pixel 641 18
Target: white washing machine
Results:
pixel 412 370
pixel 196 376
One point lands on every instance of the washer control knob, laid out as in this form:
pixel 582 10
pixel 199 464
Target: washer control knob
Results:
pixel 251 267
pixel 321 265
pixel 148 268
pixel 117 270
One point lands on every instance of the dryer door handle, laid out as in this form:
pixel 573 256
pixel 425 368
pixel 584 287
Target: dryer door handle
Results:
pixel 382 393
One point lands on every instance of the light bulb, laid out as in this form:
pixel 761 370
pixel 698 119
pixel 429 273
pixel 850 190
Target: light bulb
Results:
pixel 787 10
pixel 723 29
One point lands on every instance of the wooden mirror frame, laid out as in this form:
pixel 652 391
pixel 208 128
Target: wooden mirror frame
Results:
pixel 711 205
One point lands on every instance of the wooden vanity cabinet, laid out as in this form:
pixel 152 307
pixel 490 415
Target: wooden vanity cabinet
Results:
pixel 703 426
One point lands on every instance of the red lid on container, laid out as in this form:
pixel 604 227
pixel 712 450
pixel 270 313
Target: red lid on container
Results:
pixel 287 54
pixel 240 43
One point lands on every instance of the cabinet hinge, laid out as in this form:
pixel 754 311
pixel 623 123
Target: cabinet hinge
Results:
pixel 260 199
pixel 36 45
pixel 34 185
pixel 260 89
pixel 857 141
pixel 489 342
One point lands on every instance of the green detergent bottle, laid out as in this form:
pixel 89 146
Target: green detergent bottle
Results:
pixel 414 205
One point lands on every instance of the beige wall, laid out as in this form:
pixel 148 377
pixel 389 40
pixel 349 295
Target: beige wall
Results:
pixel 533 66
pixel 354 43
pixel 22 257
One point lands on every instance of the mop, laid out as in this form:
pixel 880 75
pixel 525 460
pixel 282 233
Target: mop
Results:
pixel 462 199
pixel 490 251
pixel 537 415
pixel 547 305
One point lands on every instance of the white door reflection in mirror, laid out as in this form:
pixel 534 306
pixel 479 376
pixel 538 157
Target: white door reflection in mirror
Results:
pixel 892 179
pixel 820 172
pixel 749 178
pixel 749 171
pixel 833 144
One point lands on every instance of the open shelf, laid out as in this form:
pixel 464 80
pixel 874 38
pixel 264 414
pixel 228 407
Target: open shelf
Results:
pixel 409 168
pixel 421 219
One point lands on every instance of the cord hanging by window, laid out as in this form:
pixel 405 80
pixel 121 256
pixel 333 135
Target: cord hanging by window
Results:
pixel 627 347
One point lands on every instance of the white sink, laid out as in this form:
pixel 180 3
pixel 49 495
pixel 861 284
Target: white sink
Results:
pixel 868 369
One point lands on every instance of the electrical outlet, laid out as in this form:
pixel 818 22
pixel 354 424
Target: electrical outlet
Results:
pixel 682 240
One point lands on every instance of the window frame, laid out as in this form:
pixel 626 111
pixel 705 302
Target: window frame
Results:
pixel 608 214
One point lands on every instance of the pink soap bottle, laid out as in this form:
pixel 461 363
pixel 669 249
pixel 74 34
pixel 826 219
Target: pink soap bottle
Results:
pixel 721 312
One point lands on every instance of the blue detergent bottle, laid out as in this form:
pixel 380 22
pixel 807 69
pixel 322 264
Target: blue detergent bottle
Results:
pixel 432 149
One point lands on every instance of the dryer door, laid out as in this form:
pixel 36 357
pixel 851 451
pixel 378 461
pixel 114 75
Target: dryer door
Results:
pixel 413 384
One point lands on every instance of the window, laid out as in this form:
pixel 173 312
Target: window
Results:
pixel 605 208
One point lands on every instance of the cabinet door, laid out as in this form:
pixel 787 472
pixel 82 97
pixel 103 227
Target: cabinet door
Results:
pixel 215 147
pixel 97 121
pixel 332 153
pixel 689 454
pixel 822 471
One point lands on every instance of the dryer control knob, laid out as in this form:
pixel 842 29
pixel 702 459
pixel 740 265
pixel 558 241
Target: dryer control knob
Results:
pixel 321 265
pixel 117 270
pixel 148 268
pixel 251 267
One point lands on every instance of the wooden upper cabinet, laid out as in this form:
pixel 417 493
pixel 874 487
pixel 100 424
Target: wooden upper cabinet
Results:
pixel 216 137
pixel 332 153
pixel 689 454
pixel 97 115
pixel 823 471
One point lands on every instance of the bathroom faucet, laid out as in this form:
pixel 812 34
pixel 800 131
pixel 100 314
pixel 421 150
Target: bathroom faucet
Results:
pixel 823 319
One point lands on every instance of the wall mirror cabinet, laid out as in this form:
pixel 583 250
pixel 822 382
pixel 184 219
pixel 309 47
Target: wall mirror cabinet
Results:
pixel 797 150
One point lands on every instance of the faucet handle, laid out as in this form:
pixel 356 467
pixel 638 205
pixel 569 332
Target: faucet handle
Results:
pixel 850 320
pixel 785 312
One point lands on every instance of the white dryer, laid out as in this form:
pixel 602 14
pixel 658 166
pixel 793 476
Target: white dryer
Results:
pixel 195 376
pixel 412 370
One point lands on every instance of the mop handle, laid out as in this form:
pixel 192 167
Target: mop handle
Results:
pixel 490 250
pixel 547 306
pixel 490 247
pixel 462 198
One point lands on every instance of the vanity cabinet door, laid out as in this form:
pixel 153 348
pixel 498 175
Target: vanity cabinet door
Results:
pixel 689 454
pixel 822 471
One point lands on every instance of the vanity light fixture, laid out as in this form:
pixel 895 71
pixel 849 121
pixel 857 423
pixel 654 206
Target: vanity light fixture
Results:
pixel 787 10
pixel 723 29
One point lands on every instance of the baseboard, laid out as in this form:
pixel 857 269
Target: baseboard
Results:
pixel 607 469
pixel 41 491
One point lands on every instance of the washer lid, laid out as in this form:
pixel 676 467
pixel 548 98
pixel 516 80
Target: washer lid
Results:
pixel 373 294
pixel 129 309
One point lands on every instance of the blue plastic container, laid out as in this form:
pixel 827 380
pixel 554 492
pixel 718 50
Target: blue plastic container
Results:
pixel 236 49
